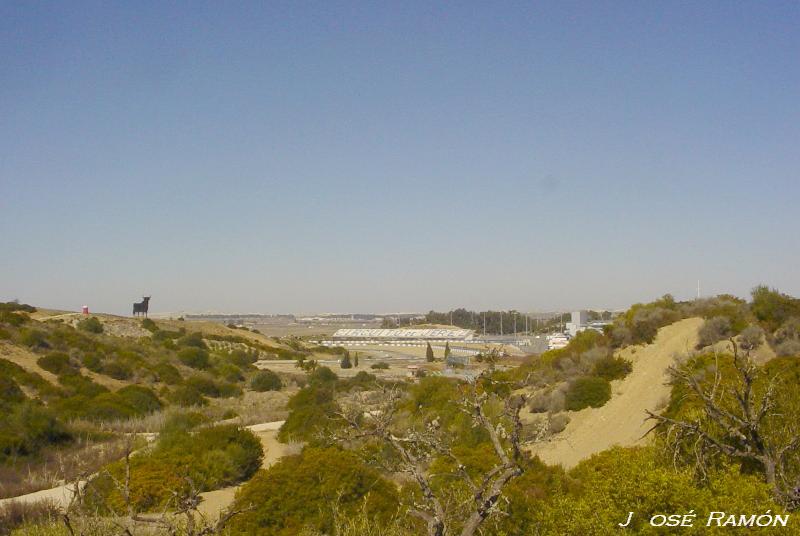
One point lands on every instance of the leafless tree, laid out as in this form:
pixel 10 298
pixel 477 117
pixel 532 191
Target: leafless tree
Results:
pixel 741 419
pixel 417 447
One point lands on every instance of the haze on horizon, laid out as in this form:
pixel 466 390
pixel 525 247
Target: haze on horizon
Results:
pixel 376 158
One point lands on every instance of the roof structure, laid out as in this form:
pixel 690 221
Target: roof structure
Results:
pixel 401 333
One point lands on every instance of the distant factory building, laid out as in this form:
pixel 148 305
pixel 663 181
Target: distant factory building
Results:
pixel 401 334
pixel 580 322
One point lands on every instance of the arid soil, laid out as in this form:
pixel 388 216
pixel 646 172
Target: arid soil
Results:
pixel 622 420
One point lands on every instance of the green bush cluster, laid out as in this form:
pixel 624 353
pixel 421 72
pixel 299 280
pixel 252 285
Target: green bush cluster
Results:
pixel 166 373
pixel 209 458
pixel 149 325
pixel 266 380
pixel 587 391
pixel 13 307
pixel 13 319
pixel 95 403
pixel 10 393
pixel 91 324
pixel 196 358
pixel 58 363
pixel 209 386
pixel 612 368
pixel 187 396
pixel 33 338
pixel 312 409
pixel 300 491
pixel 28 427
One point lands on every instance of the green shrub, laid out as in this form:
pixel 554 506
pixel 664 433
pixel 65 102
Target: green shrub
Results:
pixel 322 376
pixel 241 358
pixel 229 372
pixel 4 334
pixel 266 380
pixel 211 458
pixel 141 399
pixel 204 384
pixel 196 358
pixel 362 379
pixel 76 384
pixel 379 366
pixel 597 495
pixel 589 391
pixel 612 368
pixel 166 335
pixel 311 410
pixel 773 308
pixel 193 340
pixel 149 325
pixel 187 396
pixel 108 407
pixel 58 363
pixel 297 493
pixel 10 393
pixel 345 362
pixel 15 319
pixel 713 330
pixel 117 370
pixel 167 373
pixel 33 338
pixel 28 379
pixel 91 324
pixel 209 386
pixel 14 306
pixel 28 428
pixel 92 362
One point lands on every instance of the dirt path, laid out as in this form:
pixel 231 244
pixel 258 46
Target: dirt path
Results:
pixel 214 501
pixel 621 420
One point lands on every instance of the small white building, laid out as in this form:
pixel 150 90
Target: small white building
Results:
pixel 579 322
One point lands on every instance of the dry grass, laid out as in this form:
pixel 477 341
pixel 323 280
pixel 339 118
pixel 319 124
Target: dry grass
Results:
pixel 55 467
pixel 15 514
pixel 256 408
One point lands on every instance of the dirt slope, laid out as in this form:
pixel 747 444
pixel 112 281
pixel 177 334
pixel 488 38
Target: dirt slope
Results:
pixel 25 359
pixel 621 420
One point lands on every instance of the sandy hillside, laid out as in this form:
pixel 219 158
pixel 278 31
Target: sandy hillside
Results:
pixel 621 420
pixel 25 359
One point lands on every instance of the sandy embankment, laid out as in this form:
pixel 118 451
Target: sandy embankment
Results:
pixel 622 420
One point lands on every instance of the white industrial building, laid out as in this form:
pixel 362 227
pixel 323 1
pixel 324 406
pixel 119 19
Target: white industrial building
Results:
pixel 404 334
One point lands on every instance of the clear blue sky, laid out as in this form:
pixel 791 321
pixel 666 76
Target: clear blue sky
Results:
pixel 382 156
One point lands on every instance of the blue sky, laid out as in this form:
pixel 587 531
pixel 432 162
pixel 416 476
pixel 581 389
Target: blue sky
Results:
pixel 396 156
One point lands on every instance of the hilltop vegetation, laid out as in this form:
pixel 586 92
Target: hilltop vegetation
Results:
pixel 70 386
pixel 434 456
